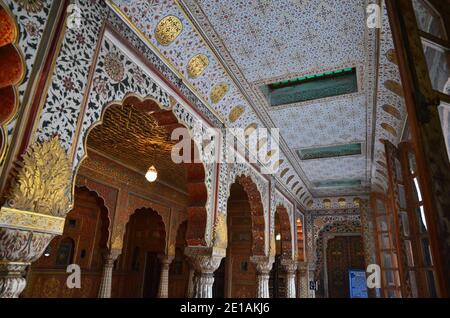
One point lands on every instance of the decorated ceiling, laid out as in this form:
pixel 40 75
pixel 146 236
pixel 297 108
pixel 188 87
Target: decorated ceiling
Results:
pixel 227 51
pixel 127 133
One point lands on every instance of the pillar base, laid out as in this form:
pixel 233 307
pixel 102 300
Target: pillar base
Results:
pixel 18 249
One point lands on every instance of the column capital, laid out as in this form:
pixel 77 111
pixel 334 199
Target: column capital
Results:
pixel 112 254
pixel 205 259
pixel 166 259
pixel 289 265
pixel 302 267
pixel 263 263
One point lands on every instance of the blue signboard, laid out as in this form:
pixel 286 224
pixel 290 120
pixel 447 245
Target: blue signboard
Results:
pixel 358 284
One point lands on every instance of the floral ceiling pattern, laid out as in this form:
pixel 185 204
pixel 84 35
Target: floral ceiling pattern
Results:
pixel 207 43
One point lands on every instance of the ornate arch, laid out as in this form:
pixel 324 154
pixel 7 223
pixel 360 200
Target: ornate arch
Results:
pixel 135 203
pixel 337 227
pixel 285 209
pixel 256 213
pixel 13 72
pixel 107 194
pixel 241 169
pixel 118 78
pixel 257 188
pixel 286 231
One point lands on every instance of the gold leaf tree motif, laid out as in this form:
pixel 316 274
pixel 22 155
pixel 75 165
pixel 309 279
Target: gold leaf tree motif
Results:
pixel 42 180
pixel 168 29
pixel 389 129
pixel 273 246
pixel 31 5
pixel 250 129
pixel 220 231
pixel 392 111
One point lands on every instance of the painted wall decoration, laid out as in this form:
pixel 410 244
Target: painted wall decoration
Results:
pixel 30 21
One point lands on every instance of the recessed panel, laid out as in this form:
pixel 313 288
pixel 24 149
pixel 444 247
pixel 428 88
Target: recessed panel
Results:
pixel 338 184
pixel 330 151
pixel 312 87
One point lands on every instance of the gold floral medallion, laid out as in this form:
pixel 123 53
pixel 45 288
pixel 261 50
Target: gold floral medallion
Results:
pixel 168 29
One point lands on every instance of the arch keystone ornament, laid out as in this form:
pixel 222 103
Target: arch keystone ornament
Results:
pixel 34 212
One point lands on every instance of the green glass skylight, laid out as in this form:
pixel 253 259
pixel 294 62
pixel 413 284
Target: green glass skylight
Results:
pixel 338 184
pixel 329 151
pixel 311 87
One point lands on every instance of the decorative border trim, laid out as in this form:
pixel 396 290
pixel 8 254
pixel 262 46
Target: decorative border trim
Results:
pixel 31 221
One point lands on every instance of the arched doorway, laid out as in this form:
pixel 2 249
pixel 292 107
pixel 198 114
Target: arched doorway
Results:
pixel 343 253
pixel 236 276
pixel 83 242
pixel 137 135
pixel 131 138
pixel 138 268
pixel 283 243
pixel 333 261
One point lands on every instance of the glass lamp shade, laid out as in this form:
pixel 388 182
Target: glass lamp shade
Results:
pixel 151 174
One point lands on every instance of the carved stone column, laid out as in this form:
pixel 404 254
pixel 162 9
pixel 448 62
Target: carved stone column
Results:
pixel 290 268
pixel 205 261
pixel 302 280
pixel 106 282
pixel 190 289
pixel 163 291
pixel 263 267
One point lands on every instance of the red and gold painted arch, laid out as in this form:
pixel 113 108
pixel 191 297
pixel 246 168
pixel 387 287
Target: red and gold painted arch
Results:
pixel 195 171
pixel 12 70
pixel 285 231
pixel 257 213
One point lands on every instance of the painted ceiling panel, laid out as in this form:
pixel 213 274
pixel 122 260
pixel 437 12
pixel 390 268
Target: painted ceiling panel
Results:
pixel 249 43
pixel 335 122
pixel 340 168
pixel 269 39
